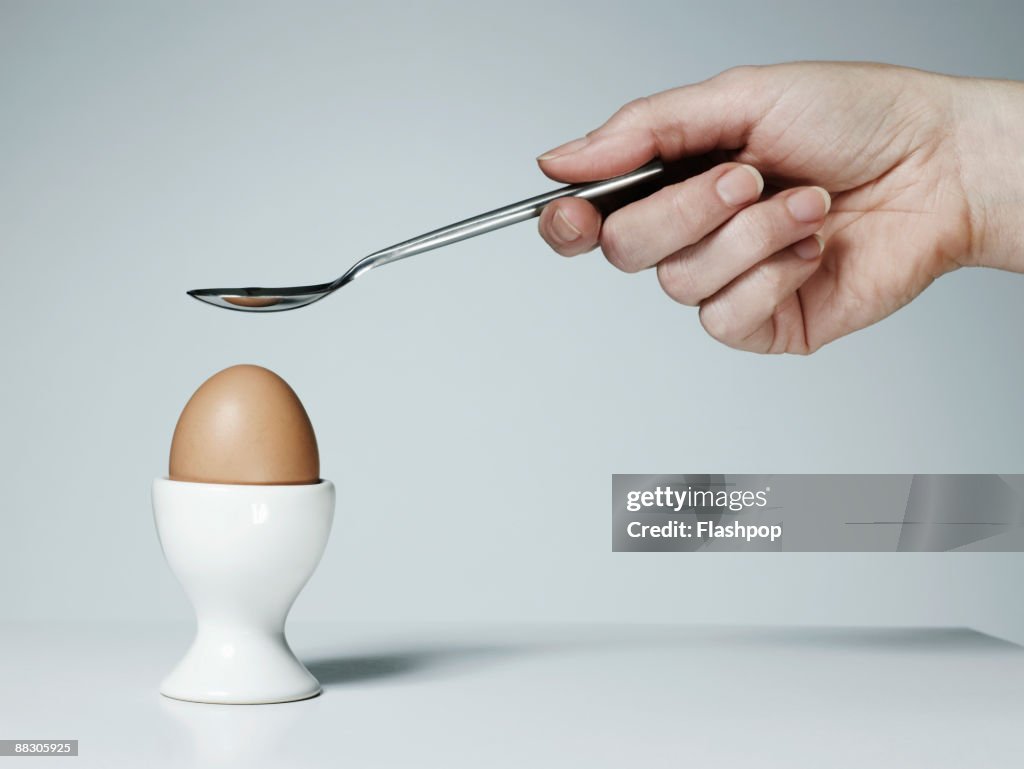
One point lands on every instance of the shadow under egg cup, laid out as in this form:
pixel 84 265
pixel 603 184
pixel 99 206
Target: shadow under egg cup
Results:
pixel 242 553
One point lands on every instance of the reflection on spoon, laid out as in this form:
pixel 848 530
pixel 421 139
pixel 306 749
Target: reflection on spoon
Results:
pixel 252 301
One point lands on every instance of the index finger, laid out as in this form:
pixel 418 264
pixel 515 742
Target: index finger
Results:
pixel 716 114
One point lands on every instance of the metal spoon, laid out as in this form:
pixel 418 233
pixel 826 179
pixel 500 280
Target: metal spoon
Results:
pixel 292 297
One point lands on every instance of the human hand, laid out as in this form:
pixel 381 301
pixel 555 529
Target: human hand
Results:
pixel 920 177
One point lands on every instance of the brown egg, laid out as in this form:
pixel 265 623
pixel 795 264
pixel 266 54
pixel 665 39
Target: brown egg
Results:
pixel 244 425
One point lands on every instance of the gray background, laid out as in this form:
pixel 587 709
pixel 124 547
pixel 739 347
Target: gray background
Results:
pixel 471 404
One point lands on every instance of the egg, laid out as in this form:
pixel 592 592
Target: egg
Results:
pixel 245 425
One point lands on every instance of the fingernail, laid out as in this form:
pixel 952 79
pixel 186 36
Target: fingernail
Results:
pixel 566 149
pixel 563 230
pixel 809 205
pixel 810 248
pixel 742 184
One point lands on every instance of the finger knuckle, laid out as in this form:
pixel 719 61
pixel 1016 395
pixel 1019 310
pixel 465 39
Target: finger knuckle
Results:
pixel 719 321
pixel 739 73
pixel 768 279
pixel 687 220
pixel 757 235
pixel 633 112
pixel 674 278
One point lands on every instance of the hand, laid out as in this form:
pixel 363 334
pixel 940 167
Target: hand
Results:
pixel 889 178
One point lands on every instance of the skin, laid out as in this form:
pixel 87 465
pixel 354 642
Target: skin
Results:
pixel 848 189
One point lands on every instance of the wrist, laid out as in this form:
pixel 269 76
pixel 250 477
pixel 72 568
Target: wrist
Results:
pixel 989 137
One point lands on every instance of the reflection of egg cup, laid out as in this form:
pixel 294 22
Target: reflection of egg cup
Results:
pixel 242 554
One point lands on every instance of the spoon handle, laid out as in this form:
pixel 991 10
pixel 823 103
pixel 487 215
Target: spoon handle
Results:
pixel 503 217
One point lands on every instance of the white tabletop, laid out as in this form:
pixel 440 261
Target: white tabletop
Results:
pixel 533 696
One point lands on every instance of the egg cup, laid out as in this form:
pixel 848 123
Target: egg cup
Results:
pixel 242 553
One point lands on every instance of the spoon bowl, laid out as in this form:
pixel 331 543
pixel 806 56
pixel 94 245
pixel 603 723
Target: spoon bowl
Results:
pixel 255 299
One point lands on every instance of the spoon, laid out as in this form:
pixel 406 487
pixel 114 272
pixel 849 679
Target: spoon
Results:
pixel 292 297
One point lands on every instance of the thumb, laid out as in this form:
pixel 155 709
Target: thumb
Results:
pixel 716 114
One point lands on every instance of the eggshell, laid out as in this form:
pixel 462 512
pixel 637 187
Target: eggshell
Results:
pixel 244 425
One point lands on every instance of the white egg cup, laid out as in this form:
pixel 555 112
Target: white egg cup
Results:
pixel 242 553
